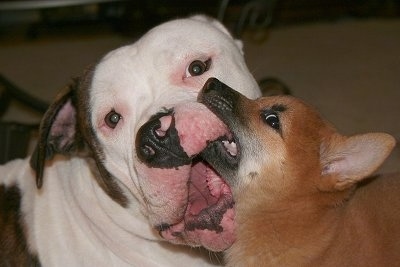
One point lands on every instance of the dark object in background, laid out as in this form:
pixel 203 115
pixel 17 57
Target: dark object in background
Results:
pixel 14 140
pixel 255 15
pixel 14 136
pixel 12 91
pixel 272 86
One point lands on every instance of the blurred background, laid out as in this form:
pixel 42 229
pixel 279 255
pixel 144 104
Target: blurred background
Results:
pixel 342 56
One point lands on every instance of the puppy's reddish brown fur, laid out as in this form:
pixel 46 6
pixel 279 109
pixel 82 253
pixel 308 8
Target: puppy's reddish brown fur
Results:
pixel 302 190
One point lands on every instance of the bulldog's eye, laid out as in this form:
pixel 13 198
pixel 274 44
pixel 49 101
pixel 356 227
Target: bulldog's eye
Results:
pixel 272 120
pixel 198 67
pixel 112 119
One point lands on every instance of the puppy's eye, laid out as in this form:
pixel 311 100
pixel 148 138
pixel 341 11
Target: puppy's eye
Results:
pixel 112 119
pixel 272 120
pixel 198 67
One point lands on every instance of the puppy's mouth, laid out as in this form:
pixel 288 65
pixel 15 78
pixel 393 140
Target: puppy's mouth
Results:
pixel 193 147
pixel 223 155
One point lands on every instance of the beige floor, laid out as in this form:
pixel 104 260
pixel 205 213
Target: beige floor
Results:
pixel 350 70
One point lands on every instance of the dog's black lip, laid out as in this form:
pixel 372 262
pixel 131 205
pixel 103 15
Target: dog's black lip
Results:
pixel 223 163
pixel 210 217
pixel 162 227
pixel 231 160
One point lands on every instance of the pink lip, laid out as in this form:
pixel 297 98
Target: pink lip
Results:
pixel 209 216
pixel 197 204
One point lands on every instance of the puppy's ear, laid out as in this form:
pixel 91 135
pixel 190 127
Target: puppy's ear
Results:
pixel 348 160
pixel 58 132
pixel 217 24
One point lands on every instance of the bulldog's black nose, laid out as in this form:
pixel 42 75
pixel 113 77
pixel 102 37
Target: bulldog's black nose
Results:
pixel 160 150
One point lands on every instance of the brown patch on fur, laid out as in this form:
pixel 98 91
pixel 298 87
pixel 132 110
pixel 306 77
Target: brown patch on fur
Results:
pixel 83 142
pixel 13 247
pixel 47 146
pixel 106 181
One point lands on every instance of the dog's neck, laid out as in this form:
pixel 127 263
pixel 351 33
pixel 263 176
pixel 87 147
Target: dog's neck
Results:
pixel 97 225
pixel 280 224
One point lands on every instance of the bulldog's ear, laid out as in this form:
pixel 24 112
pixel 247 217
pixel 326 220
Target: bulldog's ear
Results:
pixel 58 132
pixel 348 160
pixel 217 24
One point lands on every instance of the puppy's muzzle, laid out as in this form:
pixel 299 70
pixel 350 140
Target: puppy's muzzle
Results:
pixel 160 150
pixel 219 98
pixel 223 102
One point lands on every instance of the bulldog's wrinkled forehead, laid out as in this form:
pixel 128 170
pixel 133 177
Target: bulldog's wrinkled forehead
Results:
pixel 138 80
pixel 172 41
pixel 196 32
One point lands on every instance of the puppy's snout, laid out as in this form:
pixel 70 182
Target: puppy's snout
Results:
pixel 212 84
pixel 215 86
pixel 218 96
pixel 158 144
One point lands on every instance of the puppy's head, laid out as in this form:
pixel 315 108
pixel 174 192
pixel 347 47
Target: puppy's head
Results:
pixel 282 150
pixel 136 114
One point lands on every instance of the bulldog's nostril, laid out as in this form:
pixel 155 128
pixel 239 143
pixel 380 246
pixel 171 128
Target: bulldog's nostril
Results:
pixel 165 123
pixel 160 133
pixel 148 151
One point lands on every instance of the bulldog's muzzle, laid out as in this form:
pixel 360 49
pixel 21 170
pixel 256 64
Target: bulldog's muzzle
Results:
pixel 160 149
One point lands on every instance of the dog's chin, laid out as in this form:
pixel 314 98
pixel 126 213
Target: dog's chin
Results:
pixel 209 216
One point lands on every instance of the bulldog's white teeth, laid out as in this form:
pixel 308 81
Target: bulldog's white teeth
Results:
pixel 230 146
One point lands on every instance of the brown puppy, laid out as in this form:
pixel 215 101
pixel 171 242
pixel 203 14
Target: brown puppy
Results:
pixel 301 189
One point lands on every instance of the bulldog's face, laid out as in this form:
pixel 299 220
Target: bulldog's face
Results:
pixel 146 128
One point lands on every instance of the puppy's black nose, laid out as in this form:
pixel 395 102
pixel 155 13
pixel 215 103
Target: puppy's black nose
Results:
pixel 218 96
pixel 160 149
pixel 213 85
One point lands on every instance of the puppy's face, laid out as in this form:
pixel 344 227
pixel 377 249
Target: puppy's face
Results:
pixel 275 137
pixel 281 151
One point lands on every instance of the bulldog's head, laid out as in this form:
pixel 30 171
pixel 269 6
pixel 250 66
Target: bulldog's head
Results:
pixel 137 115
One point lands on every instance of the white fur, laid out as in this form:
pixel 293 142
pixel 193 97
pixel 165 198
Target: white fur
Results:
pixel 137 80
pixel 71 221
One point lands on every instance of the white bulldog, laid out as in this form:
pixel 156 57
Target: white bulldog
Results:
pixel 117 170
